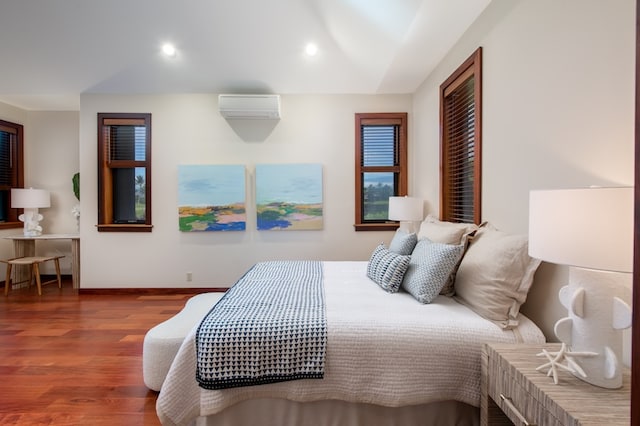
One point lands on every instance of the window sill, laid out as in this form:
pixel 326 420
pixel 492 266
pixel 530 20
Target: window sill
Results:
pixel 388 226
pixel 11 225
pixel 117 227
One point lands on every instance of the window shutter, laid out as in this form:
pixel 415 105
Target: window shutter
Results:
pixel 6 171
pixel 460 161
pixel 461 142
pixel 380 166
pixel 11 171
pixel 124 178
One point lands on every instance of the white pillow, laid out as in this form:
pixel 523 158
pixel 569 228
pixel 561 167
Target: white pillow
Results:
pixel 495 275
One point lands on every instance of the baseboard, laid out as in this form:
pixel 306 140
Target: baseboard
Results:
pixel 66 279
pixel 152 291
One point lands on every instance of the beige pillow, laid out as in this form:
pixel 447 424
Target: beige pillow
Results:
pixel 447 233
pixel 444 232
pixel 495 275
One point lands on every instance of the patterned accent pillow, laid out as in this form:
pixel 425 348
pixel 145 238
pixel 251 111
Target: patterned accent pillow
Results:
pixel 376 256
pixel 447 233
pixel 429 269
pixel 403 242
pixel 387 268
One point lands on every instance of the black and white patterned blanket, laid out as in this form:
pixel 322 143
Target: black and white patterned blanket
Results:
pixel 269 327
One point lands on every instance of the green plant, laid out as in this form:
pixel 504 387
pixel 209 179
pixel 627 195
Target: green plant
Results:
pixel 76 185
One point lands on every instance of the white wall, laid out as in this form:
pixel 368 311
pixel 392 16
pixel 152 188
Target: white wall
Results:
pixel 558 112
pixel 187 129
pixel 50 160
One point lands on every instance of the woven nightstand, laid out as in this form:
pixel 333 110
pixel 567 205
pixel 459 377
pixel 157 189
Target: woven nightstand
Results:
pixel 513 391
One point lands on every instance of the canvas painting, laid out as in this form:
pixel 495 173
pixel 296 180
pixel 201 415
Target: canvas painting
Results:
pixel 211 198
pixel 289 196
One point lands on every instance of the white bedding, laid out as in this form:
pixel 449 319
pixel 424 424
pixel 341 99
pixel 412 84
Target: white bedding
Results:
pixel 384 349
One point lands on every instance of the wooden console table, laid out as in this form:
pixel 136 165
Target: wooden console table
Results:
pixel 26 246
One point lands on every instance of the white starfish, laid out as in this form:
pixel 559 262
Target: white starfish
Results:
pixel 556 358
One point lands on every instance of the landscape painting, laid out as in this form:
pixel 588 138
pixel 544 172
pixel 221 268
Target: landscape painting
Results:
pixel 289 196
pixel 211 198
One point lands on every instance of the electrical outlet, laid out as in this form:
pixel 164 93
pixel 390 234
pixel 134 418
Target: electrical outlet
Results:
pixel 189 276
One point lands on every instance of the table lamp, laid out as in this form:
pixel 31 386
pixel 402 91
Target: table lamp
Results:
pixel 590 230
pixel 407 210
pixel 30 200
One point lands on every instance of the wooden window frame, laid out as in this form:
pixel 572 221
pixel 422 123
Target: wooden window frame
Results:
pixel 387 118
pixel 471 67
pixel 17 171
pixel 105 179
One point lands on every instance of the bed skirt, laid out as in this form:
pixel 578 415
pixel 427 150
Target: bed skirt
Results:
pixel 280 412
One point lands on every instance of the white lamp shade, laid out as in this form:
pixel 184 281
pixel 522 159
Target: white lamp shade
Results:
pixel 589 227
pixel 405 208
pixel 30 198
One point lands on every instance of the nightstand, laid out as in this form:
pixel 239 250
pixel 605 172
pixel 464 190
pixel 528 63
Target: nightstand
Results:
pixel 513 391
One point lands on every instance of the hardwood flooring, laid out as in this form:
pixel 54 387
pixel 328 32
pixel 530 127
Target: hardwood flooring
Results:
pixel 76 359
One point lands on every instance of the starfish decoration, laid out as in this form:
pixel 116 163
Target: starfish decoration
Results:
pixel 556 358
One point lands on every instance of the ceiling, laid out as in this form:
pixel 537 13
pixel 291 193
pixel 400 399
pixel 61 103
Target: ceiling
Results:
pixel 54 51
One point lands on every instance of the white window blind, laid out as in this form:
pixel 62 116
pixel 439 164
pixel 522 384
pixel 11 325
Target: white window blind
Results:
pixel 379 146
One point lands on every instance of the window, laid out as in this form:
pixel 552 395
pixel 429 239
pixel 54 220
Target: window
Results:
pixel 124 179
pixel 11 171
pixel 460 142
pixel 381 168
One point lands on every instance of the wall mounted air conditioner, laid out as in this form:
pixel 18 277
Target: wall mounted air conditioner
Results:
pixel 249 106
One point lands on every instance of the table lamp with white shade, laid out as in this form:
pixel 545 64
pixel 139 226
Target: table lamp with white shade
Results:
pixel 590 230
pixel 30 200
pixel 407 210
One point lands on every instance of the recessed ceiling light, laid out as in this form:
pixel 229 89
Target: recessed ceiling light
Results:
pixel 169 50
pixel 311 49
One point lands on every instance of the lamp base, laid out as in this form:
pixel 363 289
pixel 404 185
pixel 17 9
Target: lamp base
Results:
pixel 596 316
pixel 408 226
pixel 31 219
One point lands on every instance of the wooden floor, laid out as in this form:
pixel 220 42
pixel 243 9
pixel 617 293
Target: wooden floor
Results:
pixel 70 359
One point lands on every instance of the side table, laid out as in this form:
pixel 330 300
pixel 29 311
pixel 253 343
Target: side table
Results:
pixel 513 392
pixel 26 246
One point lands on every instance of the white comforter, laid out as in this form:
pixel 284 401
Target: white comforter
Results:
pixel 384 349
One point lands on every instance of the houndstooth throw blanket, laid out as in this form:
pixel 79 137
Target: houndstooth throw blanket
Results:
pixel 269 327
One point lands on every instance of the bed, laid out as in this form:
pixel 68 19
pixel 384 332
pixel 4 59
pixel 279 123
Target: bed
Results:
pixel 390 359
